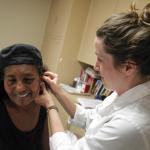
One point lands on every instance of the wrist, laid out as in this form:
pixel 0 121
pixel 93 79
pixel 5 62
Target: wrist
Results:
pixel 52 107
pixel 49 103
pixel 57 90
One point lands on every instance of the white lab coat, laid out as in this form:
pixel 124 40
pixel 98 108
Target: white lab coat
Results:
pixel 119 123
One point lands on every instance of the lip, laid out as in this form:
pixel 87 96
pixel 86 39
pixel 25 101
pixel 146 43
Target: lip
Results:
pixel 22 95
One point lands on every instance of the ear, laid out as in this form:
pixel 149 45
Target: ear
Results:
pixel 130 67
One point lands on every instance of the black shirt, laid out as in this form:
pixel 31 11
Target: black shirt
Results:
pixel 12 138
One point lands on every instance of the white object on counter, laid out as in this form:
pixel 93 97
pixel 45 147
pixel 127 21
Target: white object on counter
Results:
pixel 88 102
pixel 72 90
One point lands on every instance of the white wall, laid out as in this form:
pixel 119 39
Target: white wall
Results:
pixel 23 21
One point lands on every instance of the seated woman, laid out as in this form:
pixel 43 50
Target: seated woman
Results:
pixel 23 123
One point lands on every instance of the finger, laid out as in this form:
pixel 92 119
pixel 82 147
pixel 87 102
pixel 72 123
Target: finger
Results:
pixel 47 79
pixel 51 74
pixel 50 81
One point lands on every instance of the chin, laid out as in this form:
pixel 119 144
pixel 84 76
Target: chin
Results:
pixel 107 86
pixel 23 103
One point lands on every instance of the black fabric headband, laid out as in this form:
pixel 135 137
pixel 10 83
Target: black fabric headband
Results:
pixel 20 54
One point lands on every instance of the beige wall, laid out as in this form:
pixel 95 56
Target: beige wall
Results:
pixel 23 21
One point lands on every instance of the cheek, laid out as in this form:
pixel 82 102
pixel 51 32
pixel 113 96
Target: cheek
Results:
pixel 35 86
pixel 7 88
pixel 103 69
pixel 108 73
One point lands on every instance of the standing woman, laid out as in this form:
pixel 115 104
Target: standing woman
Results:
pixel 122 121
pixel 23 123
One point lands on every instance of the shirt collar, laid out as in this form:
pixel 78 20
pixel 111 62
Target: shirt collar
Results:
pixel 132 95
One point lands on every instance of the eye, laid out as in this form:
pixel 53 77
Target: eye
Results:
pixel 11 81
pixel 28 80
pixel 99 59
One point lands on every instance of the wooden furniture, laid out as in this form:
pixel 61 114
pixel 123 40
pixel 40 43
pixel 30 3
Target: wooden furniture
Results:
pixel 99 11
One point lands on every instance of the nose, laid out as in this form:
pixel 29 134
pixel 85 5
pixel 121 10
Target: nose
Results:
pixel 96 66
pixel 20 87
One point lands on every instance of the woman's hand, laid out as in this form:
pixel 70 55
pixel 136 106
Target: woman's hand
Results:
pixel 51 80
pixel 44 98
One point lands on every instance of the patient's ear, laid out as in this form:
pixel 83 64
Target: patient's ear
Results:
pixel 45 84
pixel 41 89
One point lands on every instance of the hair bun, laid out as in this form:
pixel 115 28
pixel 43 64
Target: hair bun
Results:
pixel 145 16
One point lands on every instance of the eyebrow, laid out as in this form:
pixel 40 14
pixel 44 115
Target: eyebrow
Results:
pixel 25 75
pixel 9 76
pixel 99 55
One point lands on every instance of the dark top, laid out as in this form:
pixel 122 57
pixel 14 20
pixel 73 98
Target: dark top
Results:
pixel 12 138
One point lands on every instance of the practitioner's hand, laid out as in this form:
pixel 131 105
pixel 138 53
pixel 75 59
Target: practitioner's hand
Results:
pixel 51 80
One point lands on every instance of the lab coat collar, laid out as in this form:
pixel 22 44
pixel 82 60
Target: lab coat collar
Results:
pixel 132 95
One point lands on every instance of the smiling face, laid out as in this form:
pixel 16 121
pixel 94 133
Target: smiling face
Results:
pixel 22 83
pixel 111 76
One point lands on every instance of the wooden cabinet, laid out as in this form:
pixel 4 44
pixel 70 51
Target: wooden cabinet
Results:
pixel 71 30
pixel 55 32
pixel 63 37
pixel 99 11
pixel 124 6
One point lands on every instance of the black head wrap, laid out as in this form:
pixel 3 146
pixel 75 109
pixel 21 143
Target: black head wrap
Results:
pixel 20 54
